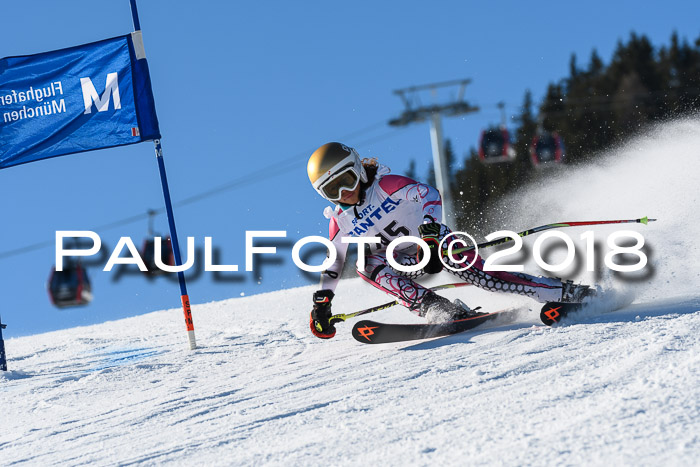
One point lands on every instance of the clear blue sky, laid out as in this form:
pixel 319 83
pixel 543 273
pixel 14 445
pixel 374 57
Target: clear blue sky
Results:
pixel 245 91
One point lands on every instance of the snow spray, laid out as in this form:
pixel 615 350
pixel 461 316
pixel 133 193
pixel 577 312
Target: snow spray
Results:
pixel 656 173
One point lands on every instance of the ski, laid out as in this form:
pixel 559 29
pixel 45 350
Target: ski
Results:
pixel 553 312
pixel 384 306
pixel 373 332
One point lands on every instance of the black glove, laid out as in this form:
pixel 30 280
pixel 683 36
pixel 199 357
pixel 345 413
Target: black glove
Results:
pixel 320 323
pixel 430 233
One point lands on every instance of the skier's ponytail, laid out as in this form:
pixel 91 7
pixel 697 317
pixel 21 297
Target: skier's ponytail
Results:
pixel 371 166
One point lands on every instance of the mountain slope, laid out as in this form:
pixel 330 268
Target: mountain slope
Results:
pixel 621 386
pixel 611 388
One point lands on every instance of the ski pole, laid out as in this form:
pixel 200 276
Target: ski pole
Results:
pixel 644 220
pixel 344 317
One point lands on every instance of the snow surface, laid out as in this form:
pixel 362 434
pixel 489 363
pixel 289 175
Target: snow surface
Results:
pixel 612 388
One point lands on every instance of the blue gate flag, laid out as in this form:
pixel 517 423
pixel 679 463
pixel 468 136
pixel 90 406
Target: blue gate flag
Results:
pixel 78 99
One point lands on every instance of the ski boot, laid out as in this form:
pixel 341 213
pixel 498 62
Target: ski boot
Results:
pixel 575 293
pixel 439 309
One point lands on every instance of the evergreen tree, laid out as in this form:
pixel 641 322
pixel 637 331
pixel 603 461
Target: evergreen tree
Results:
pixel 411 171
pixel 595 66
pixel 450 169
pixel 591 109
pixel 431 173
pixel 449 159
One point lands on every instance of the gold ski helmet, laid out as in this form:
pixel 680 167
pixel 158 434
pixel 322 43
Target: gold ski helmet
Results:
pixel 334 168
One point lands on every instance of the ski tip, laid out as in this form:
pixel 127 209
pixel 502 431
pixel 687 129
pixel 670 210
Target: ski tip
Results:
pixel 363 331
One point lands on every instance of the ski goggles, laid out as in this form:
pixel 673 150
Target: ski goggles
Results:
pixel 346 179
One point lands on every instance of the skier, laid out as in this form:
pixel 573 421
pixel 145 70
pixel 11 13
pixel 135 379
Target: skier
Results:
pixel 371 203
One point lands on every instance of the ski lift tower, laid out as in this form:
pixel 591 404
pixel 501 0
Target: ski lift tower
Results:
pixel 415 112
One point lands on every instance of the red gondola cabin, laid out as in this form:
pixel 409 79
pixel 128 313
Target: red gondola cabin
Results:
pixel 547 149
pixel 70 287
pixel 495 146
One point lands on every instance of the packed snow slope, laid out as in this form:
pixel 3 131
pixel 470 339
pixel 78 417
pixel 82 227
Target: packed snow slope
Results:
pixel 621 387
pixel 610 388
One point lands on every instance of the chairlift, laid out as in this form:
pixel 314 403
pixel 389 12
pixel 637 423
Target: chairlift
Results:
pixel 495 146
pixel 148 250
pixel 547 150
pixel 71 286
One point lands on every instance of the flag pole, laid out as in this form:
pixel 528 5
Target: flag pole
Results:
pixel 135 15
pixel 189 323
pixel 3 360
pixel 176 245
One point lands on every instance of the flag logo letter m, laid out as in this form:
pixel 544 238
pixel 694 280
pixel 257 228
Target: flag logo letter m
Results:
pixel 90 95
